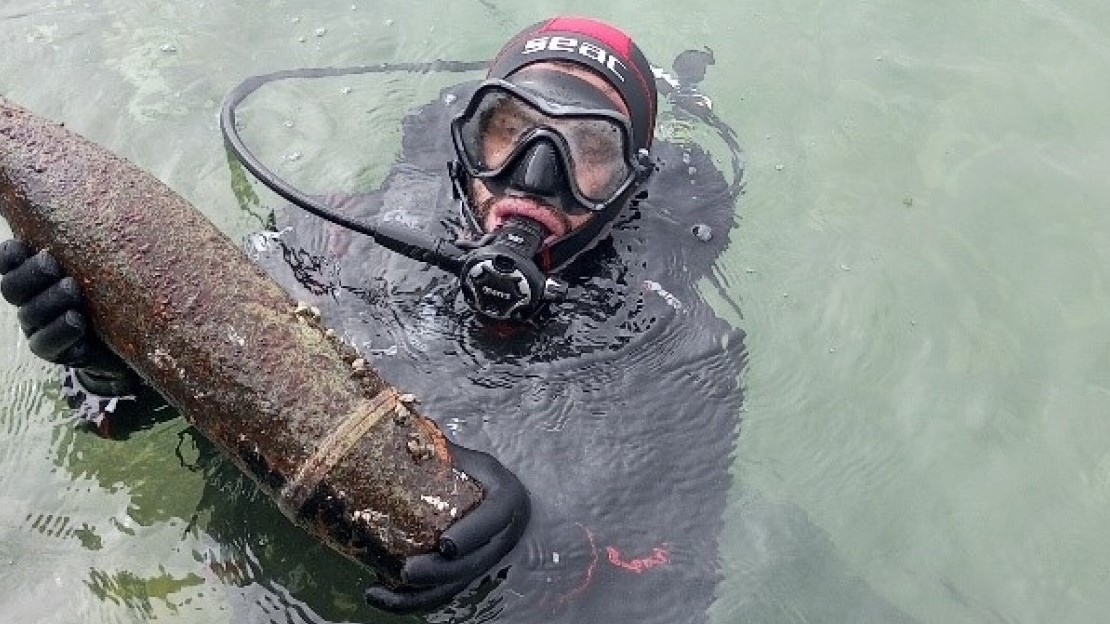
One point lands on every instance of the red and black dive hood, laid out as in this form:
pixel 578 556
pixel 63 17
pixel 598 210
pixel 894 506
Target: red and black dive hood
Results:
pixel 607 52
pixel 604 49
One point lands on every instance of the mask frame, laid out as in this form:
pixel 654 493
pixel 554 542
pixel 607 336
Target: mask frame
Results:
pixel 637 161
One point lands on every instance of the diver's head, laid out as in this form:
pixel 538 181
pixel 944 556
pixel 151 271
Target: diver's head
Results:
pixel 559 133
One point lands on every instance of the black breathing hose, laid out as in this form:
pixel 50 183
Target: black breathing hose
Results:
pixel 406 241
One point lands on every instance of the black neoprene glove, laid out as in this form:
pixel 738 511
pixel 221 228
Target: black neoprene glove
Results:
pixel 468 548
pixel 52 316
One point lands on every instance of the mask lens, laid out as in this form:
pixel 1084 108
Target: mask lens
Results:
pixel 597 154
pixel 592 146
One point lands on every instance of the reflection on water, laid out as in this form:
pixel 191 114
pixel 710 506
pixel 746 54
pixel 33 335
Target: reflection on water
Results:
pixel 138 595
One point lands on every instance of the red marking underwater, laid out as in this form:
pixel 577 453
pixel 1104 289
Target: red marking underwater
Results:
pixel 589 571
pixel 658 557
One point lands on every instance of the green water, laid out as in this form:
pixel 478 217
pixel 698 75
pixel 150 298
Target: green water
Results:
pixel 921 264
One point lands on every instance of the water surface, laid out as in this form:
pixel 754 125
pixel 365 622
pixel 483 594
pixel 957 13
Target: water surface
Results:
pixel 919 263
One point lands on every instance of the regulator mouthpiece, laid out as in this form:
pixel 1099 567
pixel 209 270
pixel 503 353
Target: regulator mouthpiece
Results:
pixel 500 280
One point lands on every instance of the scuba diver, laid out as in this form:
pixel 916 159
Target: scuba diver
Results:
pixel 570 337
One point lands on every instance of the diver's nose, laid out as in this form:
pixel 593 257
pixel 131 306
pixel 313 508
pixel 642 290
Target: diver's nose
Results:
pixel 539 171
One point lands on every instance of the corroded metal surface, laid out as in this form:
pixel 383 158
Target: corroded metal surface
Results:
pixel 297 410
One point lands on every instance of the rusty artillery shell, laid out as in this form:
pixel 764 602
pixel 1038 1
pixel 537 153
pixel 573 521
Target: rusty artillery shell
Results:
pixel 297 410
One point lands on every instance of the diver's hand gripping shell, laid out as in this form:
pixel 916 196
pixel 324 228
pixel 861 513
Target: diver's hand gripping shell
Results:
pixel 468 548
pixel 52 316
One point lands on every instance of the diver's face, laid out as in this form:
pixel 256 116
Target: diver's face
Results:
pixel 494 208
